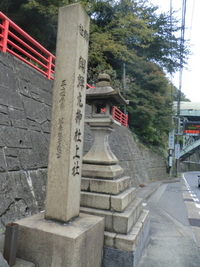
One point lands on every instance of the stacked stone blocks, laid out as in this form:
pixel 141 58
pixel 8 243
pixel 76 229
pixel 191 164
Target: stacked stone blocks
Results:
pixel 106 192
pixel 25 117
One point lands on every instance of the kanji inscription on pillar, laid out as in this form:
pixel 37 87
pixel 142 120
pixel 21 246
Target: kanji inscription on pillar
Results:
pixel 68 113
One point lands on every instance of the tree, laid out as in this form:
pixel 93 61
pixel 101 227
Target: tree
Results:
pixel 36 17
pixel 123 31
pixel 150 109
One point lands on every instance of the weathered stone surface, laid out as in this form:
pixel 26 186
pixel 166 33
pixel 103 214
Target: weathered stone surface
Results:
pixel 44 96
pixel 38 180
pixel 4 118
pixel 105 186
pixel 76 244
pixel 2 161
pixel 126 250
pixel 123 222
pixel 8 77
pixel 122 200
pixel 68 113
pixel 18 118
pixel 119 257
pixel 101 171
pixel 21 194
pixel 140 164
pixel 11 99
pixel 106 201
pixel 12 159
pixel 107 215
pixel 115 221
pixel 85 184
pixel 35 110
pixel 45 126
pixel 100 153
pixel 14 138
pixel 109 239
pixel 41 149
pixel 93 200
pixel 33 125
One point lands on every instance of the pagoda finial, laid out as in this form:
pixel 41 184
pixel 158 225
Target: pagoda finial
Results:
pixel 103 80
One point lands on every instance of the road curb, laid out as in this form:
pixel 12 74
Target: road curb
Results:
pixel 150 188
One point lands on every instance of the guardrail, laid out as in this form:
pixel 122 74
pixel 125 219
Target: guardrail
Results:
pixel 18 43
pixel 21 45
pixel 119 116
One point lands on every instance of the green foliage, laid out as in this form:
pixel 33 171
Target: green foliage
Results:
pixel 150 109
pixel 123 31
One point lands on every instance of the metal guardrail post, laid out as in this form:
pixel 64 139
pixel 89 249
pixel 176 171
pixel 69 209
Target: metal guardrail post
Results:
pixel 5 25
pixel 10 243
pixel 49 64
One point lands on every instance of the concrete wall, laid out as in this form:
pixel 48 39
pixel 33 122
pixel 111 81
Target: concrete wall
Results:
pixel 25 114
pixel 191 164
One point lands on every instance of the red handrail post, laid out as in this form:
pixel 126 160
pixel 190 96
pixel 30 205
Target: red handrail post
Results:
pixel 126 120
pixel 49 66
pixel 113 112
pixel 4 39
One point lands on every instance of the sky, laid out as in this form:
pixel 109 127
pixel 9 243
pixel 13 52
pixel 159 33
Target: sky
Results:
pixel 191 76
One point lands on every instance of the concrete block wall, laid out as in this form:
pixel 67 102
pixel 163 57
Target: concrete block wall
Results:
pixel 25 115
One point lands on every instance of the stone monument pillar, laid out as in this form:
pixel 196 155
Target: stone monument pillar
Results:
pixel 68 112
pixel 64 237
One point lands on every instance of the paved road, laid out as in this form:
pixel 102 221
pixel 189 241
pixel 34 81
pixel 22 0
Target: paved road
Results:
pixel 191 196
pixel 172 241
pixel 192 182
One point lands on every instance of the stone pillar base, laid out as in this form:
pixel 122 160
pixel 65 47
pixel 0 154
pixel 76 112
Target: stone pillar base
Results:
pixel 48 243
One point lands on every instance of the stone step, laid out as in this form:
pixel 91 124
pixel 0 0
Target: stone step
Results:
pixel 118 222
pixel 108 202
pixel 101 171
pixel 112 187
pixel 129 241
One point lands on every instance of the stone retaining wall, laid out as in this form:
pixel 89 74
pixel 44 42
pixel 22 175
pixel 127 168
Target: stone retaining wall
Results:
pixel 25 114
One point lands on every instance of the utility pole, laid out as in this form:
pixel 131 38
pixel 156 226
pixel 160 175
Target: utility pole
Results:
pixel 177 145
pixel 124 82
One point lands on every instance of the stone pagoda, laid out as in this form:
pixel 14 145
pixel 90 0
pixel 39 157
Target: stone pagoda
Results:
pixel 105 191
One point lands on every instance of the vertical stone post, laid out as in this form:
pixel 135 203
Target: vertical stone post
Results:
pixel 65 155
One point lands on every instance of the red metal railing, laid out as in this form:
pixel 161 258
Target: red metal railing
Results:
pixel 119 116
pixel 18 43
